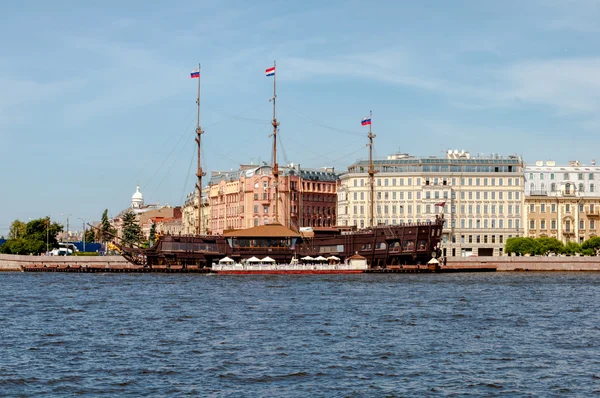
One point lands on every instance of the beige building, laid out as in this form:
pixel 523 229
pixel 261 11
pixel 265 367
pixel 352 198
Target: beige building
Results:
pixel 562 202
pixel 481 197
pixel 189 213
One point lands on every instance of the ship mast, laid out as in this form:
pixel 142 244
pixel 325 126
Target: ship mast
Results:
pixel 199 173
pixel 371 171
pixel 275 124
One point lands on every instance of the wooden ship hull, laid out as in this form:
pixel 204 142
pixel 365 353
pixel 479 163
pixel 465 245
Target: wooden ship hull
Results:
pixel 383 246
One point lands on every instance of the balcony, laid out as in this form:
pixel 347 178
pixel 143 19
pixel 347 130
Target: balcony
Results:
pixel 593 213
pixel 538 193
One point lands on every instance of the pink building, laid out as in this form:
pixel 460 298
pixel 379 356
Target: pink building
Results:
pixel 246 198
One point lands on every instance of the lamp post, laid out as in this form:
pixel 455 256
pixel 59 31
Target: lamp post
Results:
pixel 67 231
pixel 48 236
pixel 83 223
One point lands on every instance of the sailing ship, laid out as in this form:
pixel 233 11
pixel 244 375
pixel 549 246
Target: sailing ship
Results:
pixel 274 248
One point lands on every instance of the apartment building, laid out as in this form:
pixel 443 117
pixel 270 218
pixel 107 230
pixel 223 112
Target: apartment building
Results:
pixel 481 197
pixel 562 201
pixel 246 197
pixel 189 212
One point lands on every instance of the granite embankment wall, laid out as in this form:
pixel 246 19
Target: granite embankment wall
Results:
pixel 535 263
pixel 9 262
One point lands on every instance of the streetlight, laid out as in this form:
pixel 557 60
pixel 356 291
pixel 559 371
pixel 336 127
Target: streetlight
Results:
pixel 83 222
pixel 67 231
pixel 48 236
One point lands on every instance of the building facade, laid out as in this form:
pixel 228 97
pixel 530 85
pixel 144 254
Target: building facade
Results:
pixel 189 220
pixel 562 201
pixel 146 214
pixel 245 198
pixel 482 197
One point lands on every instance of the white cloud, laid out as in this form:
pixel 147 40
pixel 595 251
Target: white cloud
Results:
pixel 569 85
pixel 384 65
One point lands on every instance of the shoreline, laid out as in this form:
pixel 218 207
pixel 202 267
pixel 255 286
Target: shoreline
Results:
pixel 17 263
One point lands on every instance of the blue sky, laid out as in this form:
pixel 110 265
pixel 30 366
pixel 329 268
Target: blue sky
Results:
pixel 95 99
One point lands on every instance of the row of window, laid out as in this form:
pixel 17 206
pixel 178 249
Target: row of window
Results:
pixel 477 195
pixel 566 226
pixel 479 239
pixel 569 188
pixel 464 224
pixel 566 176
pixel 464 181
pixel 437 169
pixel 566 207
pixel 434 209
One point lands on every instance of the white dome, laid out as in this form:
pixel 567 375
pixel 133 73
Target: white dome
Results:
pixel 137 200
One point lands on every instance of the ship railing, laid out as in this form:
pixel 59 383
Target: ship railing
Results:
pixel 285 267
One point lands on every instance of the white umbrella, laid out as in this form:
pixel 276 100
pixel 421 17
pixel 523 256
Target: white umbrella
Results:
pixel 225 260
pixel 333 258
pixel 253 260
pixel 268 260
pixel 320 258
pixel 307 258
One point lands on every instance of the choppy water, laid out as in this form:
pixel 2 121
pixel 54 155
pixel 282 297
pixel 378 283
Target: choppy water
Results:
pixel 364 335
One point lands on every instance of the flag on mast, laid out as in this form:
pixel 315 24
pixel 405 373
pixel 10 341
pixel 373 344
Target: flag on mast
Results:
pixel 270 71
pixel 195 74
pixel 366 121
pixel 441 204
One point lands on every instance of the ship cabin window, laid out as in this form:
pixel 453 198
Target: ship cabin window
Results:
pixel 422 245
pixel 408 245
pixel 260 242
pixel 366 246
pixel 381 246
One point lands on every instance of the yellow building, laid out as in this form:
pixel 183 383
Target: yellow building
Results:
pixel 562 202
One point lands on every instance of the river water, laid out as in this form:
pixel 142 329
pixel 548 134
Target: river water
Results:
pixel 486 334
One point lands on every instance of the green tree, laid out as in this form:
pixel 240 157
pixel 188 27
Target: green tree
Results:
pixel 106 231
pixel 38 235
pixel 592 244
pixel 521 246
pixel 549 245
pixel 572 247
pixel 152 236
pixel 132 231
pixel 17 229
pixel 90 236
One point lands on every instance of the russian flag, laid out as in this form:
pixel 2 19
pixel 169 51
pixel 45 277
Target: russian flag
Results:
pixel 270 71
pixel 195 74
pixel 365 121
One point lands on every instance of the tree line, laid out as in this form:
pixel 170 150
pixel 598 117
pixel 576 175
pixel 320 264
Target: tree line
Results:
pixel 544 246
pixel 40 235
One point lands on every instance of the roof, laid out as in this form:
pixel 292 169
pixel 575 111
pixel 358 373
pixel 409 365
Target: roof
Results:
pixel 269 230
pixel 356 257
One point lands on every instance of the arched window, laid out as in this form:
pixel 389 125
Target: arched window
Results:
pixel 543 187
pixel 553 187
pixel 568 188
pixel 552 176
pixel 532 187
pixel 581 189
pixel 592 187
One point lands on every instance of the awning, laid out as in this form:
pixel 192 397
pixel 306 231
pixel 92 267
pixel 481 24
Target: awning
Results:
pixel 253 260
pixel 307 258
pixel 225 260
pixel 320 258
pixel 268 260
pixel 333 258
